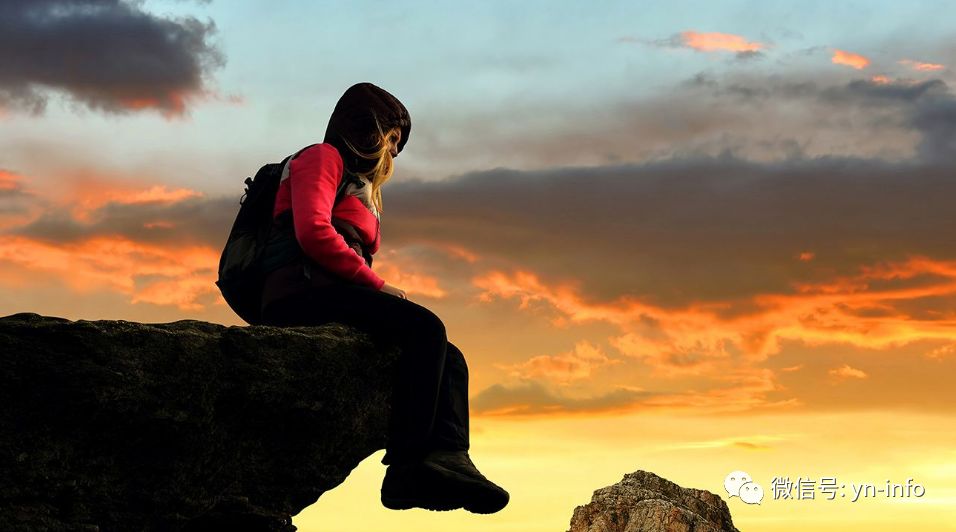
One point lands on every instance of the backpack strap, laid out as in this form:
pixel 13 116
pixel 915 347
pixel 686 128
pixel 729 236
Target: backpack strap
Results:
pixel 347 177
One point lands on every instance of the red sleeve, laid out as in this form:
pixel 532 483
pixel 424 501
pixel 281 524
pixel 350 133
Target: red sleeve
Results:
pixel 313 179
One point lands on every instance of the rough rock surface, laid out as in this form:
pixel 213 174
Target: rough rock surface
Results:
pixel 116 425
pixel 645 502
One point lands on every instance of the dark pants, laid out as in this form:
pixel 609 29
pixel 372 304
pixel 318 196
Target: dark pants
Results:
pixel 430 406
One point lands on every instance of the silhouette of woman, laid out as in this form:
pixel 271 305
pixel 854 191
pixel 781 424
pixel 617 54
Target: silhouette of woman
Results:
pixel 332 280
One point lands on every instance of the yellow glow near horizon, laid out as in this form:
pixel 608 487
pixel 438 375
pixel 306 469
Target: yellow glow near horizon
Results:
pixel 550 466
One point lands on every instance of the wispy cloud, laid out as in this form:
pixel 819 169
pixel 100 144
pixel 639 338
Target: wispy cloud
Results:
pixel 531 398
pixel 920 66
pixel 846 372
pixel 757 442
pixel 742 390
pixel 703 42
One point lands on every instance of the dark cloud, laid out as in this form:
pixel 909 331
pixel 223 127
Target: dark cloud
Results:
pixel 756 117
pixel 749 55
pixel 936 119
pixel 682 230
pixel 194 221
pixel 900 91
pixel 106 54
pixel 926 107
pixel 858 91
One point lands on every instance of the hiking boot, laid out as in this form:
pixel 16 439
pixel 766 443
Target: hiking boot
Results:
pixel 486 497
pixel 417 484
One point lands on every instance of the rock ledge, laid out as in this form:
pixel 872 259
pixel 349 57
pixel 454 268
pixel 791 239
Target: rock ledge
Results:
pixel 117 425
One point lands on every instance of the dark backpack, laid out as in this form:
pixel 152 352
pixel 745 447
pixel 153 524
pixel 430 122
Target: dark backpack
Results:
pixel 243 265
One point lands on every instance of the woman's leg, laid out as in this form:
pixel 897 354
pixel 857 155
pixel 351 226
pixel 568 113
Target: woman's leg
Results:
pixel 451 421
pixel 417 330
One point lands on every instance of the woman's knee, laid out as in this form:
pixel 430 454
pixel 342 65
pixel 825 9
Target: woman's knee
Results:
pixel 427 322
pixel 456 358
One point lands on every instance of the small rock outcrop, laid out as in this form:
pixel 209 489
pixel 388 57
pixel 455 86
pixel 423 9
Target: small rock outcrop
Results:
pixel 645 502
pixel 119 426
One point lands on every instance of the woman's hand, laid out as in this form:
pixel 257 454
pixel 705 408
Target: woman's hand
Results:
pixel 394 290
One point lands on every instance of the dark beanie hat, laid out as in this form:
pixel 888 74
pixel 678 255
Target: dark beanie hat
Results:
pixel 354 119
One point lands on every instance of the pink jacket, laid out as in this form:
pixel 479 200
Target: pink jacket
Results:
pixel 309 191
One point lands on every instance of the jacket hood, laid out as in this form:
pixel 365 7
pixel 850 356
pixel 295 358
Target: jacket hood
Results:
pixel 354 119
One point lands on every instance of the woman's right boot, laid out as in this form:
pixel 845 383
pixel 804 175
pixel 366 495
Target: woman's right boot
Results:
pixel 417 484
pixel 439 484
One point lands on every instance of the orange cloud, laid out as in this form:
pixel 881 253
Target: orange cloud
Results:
pixel 85 194
pixel 672 354
pixel 459 252
pixel 923 67
pixel 877 308
pixel 806 256
pixel 182 292
pixel 881 80
pixel 579 363
pixel 180 275
pixel 746 390
pixel 939 352
pixel 710 42
pixel 684 341
pixel 147 273
pixel 410 282
pixel 9 181
pixel 849 59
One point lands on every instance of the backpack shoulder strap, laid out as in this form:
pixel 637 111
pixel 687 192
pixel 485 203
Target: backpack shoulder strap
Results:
pixel 347 177
pixel 285 162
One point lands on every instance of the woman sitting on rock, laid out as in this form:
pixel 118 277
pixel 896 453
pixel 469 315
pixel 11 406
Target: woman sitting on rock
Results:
pixel 428 440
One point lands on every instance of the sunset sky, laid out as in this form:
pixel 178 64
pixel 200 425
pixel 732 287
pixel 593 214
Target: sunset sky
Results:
pixel 683 237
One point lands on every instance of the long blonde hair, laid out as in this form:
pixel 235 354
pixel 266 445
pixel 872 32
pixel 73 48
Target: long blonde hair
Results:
pixel 382 171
